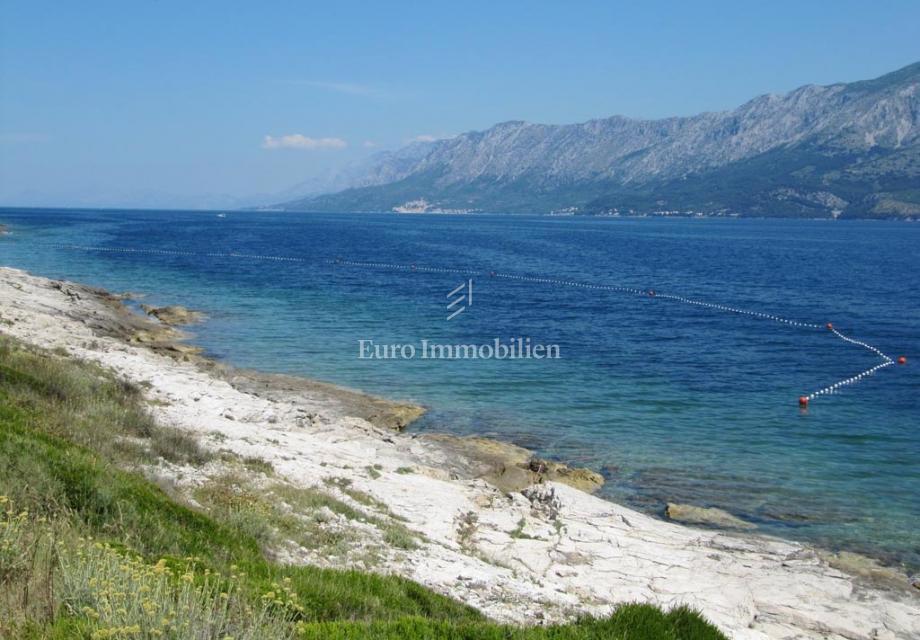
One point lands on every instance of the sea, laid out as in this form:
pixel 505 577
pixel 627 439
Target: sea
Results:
pixel 682 344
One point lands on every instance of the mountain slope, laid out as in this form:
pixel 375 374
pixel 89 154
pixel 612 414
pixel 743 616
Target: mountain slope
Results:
pixel 843 149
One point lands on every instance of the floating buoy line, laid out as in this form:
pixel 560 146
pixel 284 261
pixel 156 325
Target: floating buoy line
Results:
pixel 804 400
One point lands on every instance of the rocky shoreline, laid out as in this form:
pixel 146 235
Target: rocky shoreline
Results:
pixel 507 466
pixel 518 537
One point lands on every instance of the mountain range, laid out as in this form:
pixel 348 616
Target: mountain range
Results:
pixel 841 150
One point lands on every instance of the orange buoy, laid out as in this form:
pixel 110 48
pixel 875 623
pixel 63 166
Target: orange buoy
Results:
pixel 803 401
pixel 830 327
pixel 902 359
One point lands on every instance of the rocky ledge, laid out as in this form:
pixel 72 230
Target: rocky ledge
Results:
pixel 174 315
pixel 510 467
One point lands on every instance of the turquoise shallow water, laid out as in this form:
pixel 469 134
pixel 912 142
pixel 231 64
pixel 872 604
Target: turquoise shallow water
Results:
pixel 670 401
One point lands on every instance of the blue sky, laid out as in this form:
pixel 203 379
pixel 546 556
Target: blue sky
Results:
pixel 161 102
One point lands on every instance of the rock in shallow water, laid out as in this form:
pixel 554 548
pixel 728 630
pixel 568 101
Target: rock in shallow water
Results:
pixel 869 569
pixel 172 315
pixel 691 514
pixel 510 467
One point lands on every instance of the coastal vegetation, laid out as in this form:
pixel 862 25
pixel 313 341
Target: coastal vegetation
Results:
pixel 91 548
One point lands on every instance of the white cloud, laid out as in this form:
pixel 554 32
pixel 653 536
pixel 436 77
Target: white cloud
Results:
pixel 299 141
pixel 425 137
pixel 369 144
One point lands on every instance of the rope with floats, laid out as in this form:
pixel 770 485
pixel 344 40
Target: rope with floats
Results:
pixel 804 400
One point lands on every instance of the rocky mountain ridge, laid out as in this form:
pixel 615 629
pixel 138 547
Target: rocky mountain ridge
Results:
pixel 847 149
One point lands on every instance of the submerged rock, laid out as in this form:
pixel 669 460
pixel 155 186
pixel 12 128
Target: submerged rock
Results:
pixel 127 295
pixel 173 315
pixel 152 336
pixel 392 415
pixel 869 568
pixel 714 516
pixel 512 468
pixel 577 477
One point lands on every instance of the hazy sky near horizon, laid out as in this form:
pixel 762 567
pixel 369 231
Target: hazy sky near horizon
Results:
pixel 154 103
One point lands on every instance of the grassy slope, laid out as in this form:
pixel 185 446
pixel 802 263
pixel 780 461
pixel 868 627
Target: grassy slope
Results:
pixel 83 540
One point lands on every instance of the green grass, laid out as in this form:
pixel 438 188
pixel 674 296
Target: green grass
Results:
pixel 630 622
pixel 91 549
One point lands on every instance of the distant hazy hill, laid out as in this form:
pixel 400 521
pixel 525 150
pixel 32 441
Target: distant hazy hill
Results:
pixel 845 149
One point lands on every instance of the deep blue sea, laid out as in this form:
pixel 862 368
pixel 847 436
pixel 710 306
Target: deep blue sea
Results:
pixel 672 402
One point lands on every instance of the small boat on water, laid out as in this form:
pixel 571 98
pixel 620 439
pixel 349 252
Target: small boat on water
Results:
pixel 221 215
